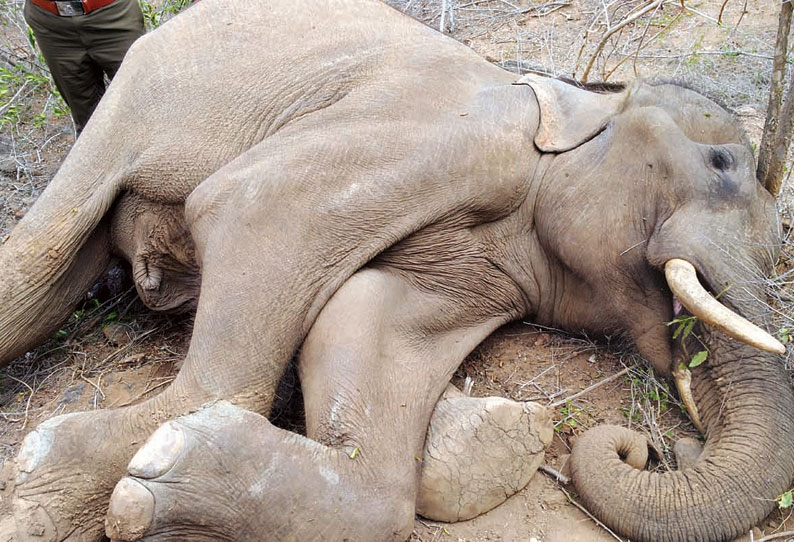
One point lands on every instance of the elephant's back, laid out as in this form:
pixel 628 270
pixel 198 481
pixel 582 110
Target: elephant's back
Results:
pixel 222 76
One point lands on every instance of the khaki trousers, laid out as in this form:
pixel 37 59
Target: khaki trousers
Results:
pixel 81 50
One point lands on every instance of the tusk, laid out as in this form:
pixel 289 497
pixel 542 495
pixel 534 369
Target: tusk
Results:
pixel 683 281
pixel 683 381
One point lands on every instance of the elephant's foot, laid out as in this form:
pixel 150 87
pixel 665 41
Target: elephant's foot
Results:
pixel 683 381
pixel 195 478
pixel 65 472
pixel 479 452
pixel 225 473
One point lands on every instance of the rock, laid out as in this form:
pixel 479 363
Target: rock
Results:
pixel 746 110
pixel 118 334
pixel 72 394
pixel 8 166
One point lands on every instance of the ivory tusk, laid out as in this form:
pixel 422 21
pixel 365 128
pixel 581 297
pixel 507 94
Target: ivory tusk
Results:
pixel 682 279
pixel 683 381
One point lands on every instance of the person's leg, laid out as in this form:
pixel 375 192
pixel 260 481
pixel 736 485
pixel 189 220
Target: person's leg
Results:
pixel 77 77
pixel 110 31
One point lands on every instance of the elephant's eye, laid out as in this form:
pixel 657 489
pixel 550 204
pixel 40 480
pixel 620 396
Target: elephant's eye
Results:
pixel 724 163
pixel 721 159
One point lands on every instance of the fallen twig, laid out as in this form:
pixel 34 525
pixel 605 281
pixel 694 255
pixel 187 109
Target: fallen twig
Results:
pixel 554 473
pixel 141 395
pixel 777 536
pixel 30 397
pixel 591 516
pixel 95 386
pixel 590 388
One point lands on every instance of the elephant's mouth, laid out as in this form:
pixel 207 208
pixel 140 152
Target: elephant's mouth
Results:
pixel 691 294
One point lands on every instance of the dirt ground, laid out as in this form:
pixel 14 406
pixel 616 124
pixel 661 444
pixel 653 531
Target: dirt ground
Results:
pixel 114 352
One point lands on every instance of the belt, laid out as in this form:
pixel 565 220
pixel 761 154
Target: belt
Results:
pixel 70 8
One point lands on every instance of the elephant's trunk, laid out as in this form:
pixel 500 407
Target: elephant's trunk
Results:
pixel 56 252
pixel 746 403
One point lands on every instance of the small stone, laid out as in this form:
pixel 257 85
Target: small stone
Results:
pixel 8 166
pixel 118 334
pixel 542 340
pixel 72 394
pixel 746 111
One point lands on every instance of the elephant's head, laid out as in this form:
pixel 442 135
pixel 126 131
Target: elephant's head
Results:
pixel 646 180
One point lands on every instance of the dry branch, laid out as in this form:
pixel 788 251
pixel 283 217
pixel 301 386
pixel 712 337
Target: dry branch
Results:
pixel 779 115
pixel 555 474
pixel 652 5
pixel 591 516
pixel 590 388
pixel 777 536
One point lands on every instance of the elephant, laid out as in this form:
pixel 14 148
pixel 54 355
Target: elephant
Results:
pixel 337 180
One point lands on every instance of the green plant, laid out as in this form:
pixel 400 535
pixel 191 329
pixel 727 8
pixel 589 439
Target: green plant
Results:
pixel 27 93
pixel 785 500
pixel 631 413
pixel 684 325
pixel 20 82
pixel 571 416
pixel 77 317
pixel 154 15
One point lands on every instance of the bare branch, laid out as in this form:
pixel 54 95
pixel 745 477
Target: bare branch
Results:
pixel 654 4
pixel 777 128
pixel 722 9
pixel 777 536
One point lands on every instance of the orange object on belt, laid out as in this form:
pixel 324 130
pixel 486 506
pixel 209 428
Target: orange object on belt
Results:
pixel 88 5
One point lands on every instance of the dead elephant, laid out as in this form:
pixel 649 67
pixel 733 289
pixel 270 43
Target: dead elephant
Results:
pixel 336 177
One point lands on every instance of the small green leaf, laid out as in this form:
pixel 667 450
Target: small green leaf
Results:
pixel 112 317
pixel 785 500
pixel 354 453
pixel 688 328
pixel 698 358
pixel 684 326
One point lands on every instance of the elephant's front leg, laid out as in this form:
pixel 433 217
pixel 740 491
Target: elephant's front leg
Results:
pixel 372 369
pixel 477 451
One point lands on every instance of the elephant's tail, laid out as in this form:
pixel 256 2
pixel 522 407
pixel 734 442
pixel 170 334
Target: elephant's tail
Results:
pixel 747 404
pixel 58 250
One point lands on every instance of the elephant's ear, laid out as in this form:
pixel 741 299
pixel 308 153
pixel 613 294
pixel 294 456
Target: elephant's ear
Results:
pixel 569 116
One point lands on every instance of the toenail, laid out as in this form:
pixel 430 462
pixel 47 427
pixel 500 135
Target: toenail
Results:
pixel 34 449
pixel 131 511
pixel 159 453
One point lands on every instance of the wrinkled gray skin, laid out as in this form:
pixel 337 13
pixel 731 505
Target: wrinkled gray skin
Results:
pixel 338 156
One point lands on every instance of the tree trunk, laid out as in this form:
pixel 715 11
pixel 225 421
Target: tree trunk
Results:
pixel 778 125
